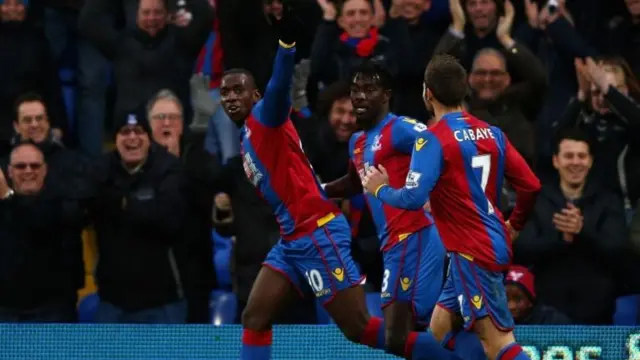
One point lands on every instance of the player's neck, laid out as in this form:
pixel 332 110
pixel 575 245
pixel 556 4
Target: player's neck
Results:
pixel 440 112
pixel 571 192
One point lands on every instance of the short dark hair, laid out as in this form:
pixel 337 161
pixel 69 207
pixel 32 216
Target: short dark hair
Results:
pixel 25 98
pixel 374 69
pixel 447 80
pixel 336 91
pixel 574 134
pixel 239 71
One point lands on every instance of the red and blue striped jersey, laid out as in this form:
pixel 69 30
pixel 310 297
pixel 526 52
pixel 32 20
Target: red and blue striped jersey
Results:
pixel 459 165
pixel 275 163
pixel 389 144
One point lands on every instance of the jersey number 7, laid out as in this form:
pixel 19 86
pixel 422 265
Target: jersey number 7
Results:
pixel 483 163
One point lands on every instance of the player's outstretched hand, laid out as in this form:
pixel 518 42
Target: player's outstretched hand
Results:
pixel 374 179
pixel 288 26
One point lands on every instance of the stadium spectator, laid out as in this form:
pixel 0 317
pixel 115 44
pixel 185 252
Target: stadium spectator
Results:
pixel 61 25
pixel 406 25
pixel 576 238
pixel 37 222
pixel 26 66
pixel 523 303
pixel 201 171
pixel 348 35
pixel 154 56
pixel 139 215
pixel 67 168
pixel 605 110
pixel 325 136
pixel 473 27
pixel 496 97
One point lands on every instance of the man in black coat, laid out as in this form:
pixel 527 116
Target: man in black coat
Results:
pixel 156 55
pixel 165 112
pixel 139 216
pixel 37 224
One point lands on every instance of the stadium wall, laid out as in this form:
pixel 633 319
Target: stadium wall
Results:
pixel 53 342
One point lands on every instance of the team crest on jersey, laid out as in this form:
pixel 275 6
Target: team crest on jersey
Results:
pixel 251 170
pixel 377 145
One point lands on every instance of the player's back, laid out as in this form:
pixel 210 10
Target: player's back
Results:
pixel 276 164
pixel 465 199
pixel 389 144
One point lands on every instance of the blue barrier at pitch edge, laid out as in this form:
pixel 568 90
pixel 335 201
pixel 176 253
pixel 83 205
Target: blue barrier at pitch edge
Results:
pixel 317 342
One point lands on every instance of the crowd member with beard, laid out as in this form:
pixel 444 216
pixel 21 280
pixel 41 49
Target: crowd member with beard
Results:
pixel 68 170
pixel 523 303
pixel 157 54
pixel 26 66
pixel 604 108
pixel 576 239
pixel 167 126
pixel 139 213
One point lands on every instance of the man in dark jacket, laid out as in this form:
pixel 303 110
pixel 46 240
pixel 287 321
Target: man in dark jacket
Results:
pixel 201 170
pixel 68 170
pixel 575 240
pixel 139 215
pixel 523 304
pixel 36 224
pixel 154 56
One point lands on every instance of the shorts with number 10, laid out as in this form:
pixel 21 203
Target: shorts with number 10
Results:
pixel 320 262
pixel 414 272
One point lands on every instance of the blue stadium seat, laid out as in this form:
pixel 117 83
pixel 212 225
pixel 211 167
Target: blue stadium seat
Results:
pixel 223 307
pixel 68 80
pixel 627 310
pixel 222 260
pixel 87 308
pixel 374 303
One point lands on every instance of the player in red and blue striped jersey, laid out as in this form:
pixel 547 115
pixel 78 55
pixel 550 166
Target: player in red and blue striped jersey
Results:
pixel 315 247
pixel 413 253
pixel 459 165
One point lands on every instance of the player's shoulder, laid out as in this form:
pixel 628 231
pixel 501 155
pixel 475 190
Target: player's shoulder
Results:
pixel 353 139
pixel 409 123
pixel 426 137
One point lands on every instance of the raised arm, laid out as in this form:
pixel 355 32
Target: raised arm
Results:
pixel 276 104
pixel 424 172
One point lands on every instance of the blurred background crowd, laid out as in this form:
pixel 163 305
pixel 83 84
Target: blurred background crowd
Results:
pixel 123 195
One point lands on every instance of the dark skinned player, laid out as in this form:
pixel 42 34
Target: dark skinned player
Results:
pixel 315 244
pixel 414 256
pixel 462 162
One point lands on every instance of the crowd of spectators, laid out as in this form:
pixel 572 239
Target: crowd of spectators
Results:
pixel 121 174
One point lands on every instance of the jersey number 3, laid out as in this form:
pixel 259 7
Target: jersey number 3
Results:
pixel 483 163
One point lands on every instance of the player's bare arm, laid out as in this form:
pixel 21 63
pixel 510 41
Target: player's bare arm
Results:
pixel 344 187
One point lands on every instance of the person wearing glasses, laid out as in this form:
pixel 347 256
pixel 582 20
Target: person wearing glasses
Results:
pixel 36 221
pixel 139 214
pixel 68 171
pixel 202 169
